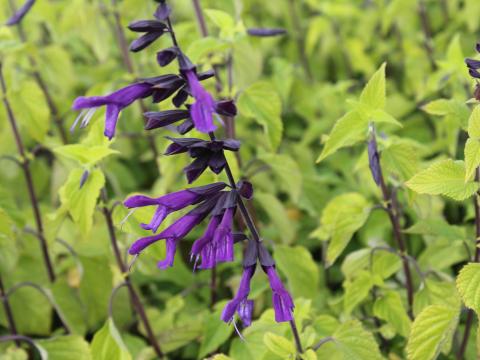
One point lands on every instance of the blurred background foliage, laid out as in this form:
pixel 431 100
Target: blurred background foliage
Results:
pixel 290 91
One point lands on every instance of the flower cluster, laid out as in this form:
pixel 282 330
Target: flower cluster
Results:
pixel 218 201
pixel 473 68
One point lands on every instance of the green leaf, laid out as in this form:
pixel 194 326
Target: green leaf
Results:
pixel 446 177
pixel 356 291
pixel 374 93
pixel 354 342
pixel 474 123
pixel 215 333
pixel 342 216
pixel 260 102
pixel 31 110
pixel 63 347
pixel 277 213
pixel 222 20
pixel 81 202
pixel 468 285
pixel 390 308
pixel 288 172
pixel 8 250
pixel 85 155
pixel 348 130
pixel 299 268
pixel 279 345
pixel 439 107
pixel 431 330
pixel 472 157
pixel 107 344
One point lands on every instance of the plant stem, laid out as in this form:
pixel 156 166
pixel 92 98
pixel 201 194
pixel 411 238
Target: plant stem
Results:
pixel 137 304
pixel 390 199
pixel 42 84
pixel 127 60
pixel 8 312
pixel 300 39
pixel 243 209
pixel 427 31
pixel 25 164
pixel 470 313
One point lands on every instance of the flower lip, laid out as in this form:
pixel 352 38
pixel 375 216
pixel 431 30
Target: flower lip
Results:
pixel 18 16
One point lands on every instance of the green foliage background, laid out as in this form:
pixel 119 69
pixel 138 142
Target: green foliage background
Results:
pixel 301 97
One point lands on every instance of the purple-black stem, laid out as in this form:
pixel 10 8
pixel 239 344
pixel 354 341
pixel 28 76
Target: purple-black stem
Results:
pixel 390 199
pixel 25 165
pixel 42 84
pixel 137 304
pixel 8 312
pixel 470 312
pixel 243 209
pixel 300 38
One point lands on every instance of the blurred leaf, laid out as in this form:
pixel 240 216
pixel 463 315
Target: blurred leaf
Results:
pixel 390 308
pixel 468 285
pixel 215 333
pixel 279 345
pixel 62 347
pixel 83 154
pixel 356 291
pixel 107 344
pixel 285 229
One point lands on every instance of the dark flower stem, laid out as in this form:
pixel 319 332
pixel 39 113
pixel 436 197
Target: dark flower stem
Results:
pixel 42 84
pixel 25 164
pixel 243 209
pixel 300 38
pixel 137 304
pixel 427 32
pixel 8 312
pixel 390 199
pixel 470 313
pixel 127 60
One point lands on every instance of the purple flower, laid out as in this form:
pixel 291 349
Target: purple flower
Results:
pixel 374 160
pixel 20 13
pixel 206 154
pixel 153 29
pixel 204 106
pixel 115 103
pixel 282 301
pixel 172 202
pixel 216 244
pixel 265 32
pixel 166 56
pixel 240 302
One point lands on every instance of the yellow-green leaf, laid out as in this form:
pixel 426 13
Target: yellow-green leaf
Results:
pixel 472 157
pixel 468 285
pixel 107 344
pixel 279 345
pixel 474 123
pixel 374 94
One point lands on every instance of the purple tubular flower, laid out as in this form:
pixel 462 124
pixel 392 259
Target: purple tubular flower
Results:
pixel 164 118
pixel 204 246
pixel 223 237
pixel 115 103
pixel 204 106
pixel 166 56
pixel 20 13
pixel 282 301
pixel 264 32
pixel 172 202
pixel 240 302
pixel 374 160
pixel 206 154
pixel 153 29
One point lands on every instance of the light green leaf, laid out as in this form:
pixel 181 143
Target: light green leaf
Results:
pixel 215 333
pixel 472 157
pixel 63 347
pixel 107 344
pixel 284 228
pixel 474 123
pixel 431 331
pixel 468 285
pixel 31 110
pixel 279 345
pixel 288 172
pixel 85 155
pixel 299 268
pixel 342 216
pixel 390 308
pixel 439 107
pixel 261 103
pixel 222 20
pixel 356 291
pixel 374 93
pixel 348 130
pixel 81 202
pixel 446 177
